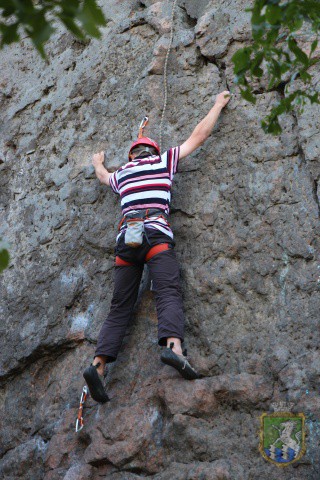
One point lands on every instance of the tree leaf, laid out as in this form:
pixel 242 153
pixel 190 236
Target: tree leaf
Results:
pixel 296 24
pixel 314 98
pixel 272 35
pixel 39 31
pixel 32 17
pixel 284 67
pixel 273 23
pixel 4 255
pixel 241 60
pixel 255 65
pixel 275 69
pixel 71 26
pixel 8 8
pixel 305 76
pixel 9 33
pixel 95 12
pixel 313 61
pixel 314 45
pixel 42 34
pixel 70 7
pixel 90 16
pixel 247 95
pixel 257 18
pixel 257 72
pixel 299 54
pixel 274 14
pixel 271 126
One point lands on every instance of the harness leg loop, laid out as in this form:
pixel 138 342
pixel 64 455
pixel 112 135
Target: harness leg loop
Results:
pixel 161 247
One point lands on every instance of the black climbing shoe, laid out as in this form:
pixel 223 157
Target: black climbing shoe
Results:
pixel 95 383
pixel 179 362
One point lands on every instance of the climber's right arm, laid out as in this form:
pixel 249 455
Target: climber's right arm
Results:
pixel 205 127
pixel 101 172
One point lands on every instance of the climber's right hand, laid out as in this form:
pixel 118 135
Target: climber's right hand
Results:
pixel 222 99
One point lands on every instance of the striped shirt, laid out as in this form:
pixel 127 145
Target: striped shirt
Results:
pixel 146 183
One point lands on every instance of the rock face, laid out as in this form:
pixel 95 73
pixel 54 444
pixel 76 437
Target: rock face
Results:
pixel 245 214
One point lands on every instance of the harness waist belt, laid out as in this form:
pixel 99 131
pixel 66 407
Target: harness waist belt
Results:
pixel 143 213
pixel 147 212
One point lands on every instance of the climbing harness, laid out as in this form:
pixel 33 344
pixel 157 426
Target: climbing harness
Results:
pixel 83 398
pixel 134 224
pixel 141 216
pixel 165 81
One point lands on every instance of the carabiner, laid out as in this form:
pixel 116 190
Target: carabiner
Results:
pixel 79 422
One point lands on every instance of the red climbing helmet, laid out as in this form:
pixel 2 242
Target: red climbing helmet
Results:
pixel 144 140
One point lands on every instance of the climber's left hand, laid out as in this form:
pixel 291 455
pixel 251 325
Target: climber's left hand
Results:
pixel 98 159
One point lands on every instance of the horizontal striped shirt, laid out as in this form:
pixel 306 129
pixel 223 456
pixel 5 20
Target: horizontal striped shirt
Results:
pixel 146 183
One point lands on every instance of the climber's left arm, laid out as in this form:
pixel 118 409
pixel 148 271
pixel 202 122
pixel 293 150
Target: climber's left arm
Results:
pixel 205 127
pixel 101 172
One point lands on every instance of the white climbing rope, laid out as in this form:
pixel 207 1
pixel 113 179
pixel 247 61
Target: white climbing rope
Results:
pixel 165 80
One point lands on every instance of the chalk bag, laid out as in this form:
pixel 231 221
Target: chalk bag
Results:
pixel 134 232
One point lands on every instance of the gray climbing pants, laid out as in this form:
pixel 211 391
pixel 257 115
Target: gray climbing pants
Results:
pixel 165 275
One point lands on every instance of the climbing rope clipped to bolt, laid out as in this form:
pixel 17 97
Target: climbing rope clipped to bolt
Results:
pixel 165 79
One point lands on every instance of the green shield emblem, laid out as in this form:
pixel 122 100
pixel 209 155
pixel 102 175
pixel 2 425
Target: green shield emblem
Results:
pixel 282 437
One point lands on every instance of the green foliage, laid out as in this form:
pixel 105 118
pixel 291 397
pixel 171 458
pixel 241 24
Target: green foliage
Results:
pixel 4 255
pixel 275 51
pixel 35 18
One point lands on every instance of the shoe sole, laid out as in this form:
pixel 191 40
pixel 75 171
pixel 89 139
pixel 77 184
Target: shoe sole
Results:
pixel 170 358
pixel 95 386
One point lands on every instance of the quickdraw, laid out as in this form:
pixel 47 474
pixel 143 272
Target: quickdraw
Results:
pixel 83 398
pixel 142 126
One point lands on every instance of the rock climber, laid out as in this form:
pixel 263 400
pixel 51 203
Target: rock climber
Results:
pixel 144 186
